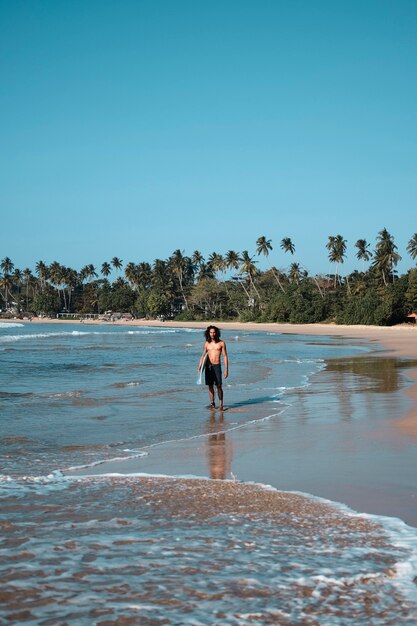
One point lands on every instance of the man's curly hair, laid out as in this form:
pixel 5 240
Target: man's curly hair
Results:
pixel 216 334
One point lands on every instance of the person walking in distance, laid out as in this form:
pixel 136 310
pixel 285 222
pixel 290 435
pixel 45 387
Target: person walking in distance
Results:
pixel 214 348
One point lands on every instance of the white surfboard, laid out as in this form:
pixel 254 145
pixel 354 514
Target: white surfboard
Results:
pixel 203 365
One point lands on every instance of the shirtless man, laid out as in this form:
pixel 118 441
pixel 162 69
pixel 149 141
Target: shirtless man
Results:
pixel 214 347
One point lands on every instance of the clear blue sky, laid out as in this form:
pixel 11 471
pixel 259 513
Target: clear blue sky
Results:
pixel 132 128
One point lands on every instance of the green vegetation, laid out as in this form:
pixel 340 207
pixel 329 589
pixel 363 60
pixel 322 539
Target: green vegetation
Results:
pixel 228 287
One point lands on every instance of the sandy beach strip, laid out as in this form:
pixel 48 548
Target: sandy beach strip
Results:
pixel 400 340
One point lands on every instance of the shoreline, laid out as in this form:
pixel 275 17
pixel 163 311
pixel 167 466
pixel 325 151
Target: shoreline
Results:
pixel 346 461
pixel 376 494
pixel 393 338
pixel 397 430
pixel 398 341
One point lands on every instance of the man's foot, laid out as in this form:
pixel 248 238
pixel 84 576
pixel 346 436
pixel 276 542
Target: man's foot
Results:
pixel 212 405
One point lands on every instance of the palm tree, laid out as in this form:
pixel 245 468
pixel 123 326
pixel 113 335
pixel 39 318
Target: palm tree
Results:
pixel 263 246
pixel 386 256
pixel 42 272
pixel 6 266
pixel 88 273
pixel 17 279
pixel 72 280
pixel 57 277
pixel 412 246
pixel 205 270
pixel 117 263
pixel 216 262
pixel 91 272
pixel 27 276
pixel 160 276
pixel 83 274
pixel 17 275
pixel 144 271
pixel 178 263
pixel 6 281
pixel 287 245
pixel 162 285
pixel 337 251
pixel 6 284
pixel 232 260
pixel 201 269
pixel 295 272
pixel 363 253
pixel 131 273
pixel 248 268
pixel 197 259
pixel 105 269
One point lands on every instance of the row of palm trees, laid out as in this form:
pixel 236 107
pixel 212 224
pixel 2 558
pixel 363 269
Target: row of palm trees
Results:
pixel 181 272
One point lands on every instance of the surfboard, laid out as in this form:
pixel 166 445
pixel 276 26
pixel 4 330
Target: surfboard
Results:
pixel 203 365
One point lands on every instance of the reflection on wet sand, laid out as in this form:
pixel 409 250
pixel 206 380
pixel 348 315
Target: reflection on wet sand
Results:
pixel 219 451
pixel 350 385
pixel 381 374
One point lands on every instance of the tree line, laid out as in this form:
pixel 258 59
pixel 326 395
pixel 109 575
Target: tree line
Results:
pixel 226 286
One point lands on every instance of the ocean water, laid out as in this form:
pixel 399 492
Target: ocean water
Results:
pixel 103 549
pixel 75 395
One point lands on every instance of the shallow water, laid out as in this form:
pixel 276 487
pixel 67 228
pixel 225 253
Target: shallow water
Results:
pixel 150 550
pixel 83 394
pixel 166 551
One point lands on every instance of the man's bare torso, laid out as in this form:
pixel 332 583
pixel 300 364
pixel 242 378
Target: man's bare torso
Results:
pixel 214 351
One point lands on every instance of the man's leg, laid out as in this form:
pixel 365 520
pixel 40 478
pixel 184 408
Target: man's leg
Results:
pixel 220 394
pixel 211 394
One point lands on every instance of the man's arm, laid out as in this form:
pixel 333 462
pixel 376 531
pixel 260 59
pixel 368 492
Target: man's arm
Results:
pixel 226 360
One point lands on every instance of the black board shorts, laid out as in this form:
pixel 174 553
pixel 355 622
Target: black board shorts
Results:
pixel 213 374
